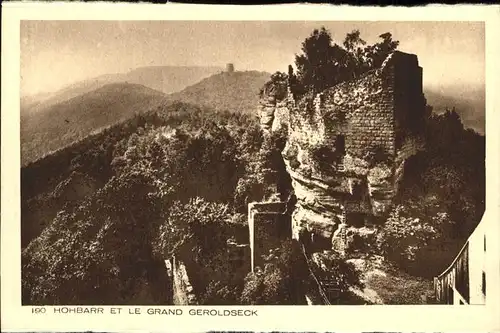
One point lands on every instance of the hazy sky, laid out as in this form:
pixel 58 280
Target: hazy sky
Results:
pixel 56 53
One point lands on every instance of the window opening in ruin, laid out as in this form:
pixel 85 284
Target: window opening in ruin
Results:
pixel 356 219
pixel 340 145
pixel 320 243
pixel 357 190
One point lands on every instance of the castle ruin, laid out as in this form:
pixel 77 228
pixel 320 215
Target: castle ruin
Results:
pixel 345 150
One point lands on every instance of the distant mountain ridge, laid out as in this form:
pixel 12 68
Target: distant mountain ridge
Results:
pixel 170 79
pixel 51 121
pixel 63 123
pixel 167 79
pixel 210 86
pixel 470 105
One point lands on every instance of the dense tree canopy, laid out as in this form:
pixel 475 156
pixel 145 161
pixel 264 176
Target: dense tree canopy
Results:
pixel 324 63
pixel 170 191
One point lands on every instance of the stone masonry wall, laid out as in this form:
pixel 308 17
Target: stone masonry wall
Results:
pixel 367 105
pixel 268 223
pixel 410 112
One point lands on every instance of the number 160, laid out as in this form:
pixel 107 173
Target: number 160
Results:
pixel 38 310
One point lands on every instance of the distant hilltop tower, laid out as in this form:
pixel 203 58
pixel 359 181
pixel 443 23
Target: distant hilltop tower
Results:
pixel 230 68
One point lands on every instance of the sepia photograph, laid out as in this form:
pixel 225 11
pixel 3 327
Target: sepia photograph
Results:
pixel 252 162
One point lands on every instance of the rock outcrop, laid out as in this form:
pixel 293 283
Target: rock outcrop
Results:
pixel 182 290
pixel 346 148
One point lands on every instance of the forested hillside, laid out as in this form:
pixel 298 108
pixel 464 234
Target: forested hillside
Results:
pixel 52 122
pixel 470 106
pixel 236 91
pixel 159 170
pixel 60 124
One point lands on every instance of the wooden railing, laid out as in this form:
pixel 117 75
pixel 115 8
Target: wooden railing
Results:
pixel 454 280
pixel 447 284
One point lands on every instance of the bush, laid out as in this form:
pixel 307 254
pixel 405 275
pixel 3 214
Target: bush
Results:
pixel 276 86
pixel 282 281
pixel 218 293
pixel 197 226
pixel 411 231
pixel 331 267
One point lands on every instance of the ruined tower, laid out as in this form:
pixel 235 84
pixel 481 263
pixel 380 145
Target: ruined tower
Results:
pixel 230 68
